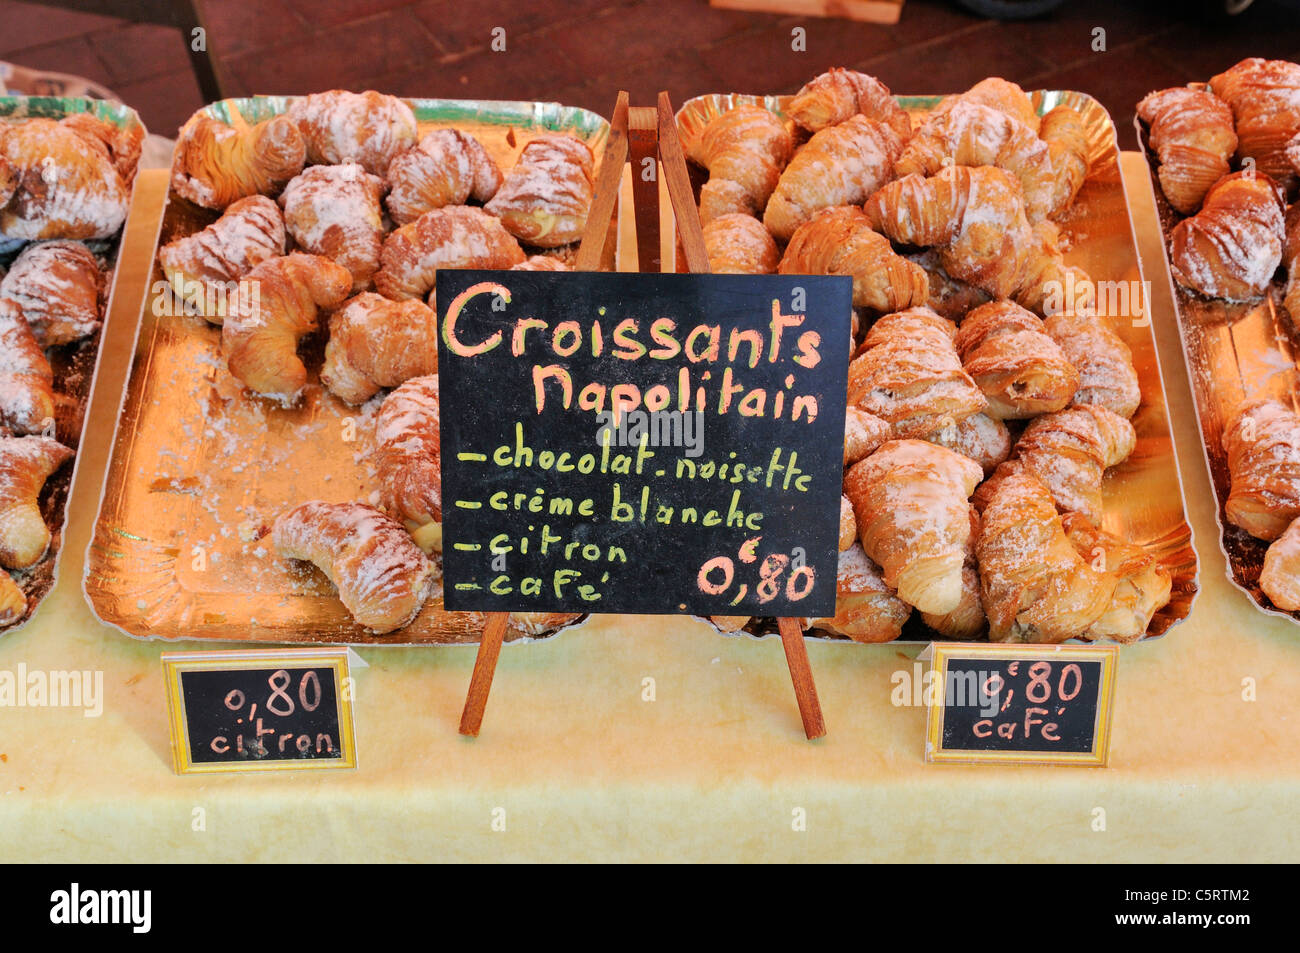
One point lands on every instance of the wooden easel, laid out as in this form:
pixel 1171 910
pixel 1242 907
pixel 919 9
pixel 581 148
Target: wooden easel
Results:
pixel 648 133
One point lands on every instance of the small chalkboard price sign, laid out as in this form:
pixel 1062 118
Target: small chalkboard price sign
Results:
pixel 259 710
pixel 1007 704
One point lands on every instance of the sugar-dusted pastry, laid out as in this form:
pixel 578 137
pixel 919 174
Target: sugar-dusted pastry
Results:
pixel 1233 245
pixel 744 149
pixel 1000 94
pixel 1035 585
pixel 541 263
pixel 719 197
pixel 840 94
pixel 1193 136
pixel 740 245
pixel 25 464
pixel 947 296
pixel 334 211
pixel 1142 587
pixel 382 577
pixel 408 456
pixel 863 434
pixel 974 217
pixel 60 184
pixel 1280 577
pixel 26 381
pixel 984 439
pixel 1107 377
pixel 458 236
pixel 376 342
pixel 1263 448
pixel 866 609
pixel 216 163
pixel 841 165
pixel 848 524
pixel 272 309
pixel 123 143
pixel 58 286
pixel 908 374
pixel 546 197
pixel 967 620
pixel 1291 258
pixel 448 167
pixel 1066 136
pixel 201 267
pixel 13 603
pixel 840 241
pixel 369 128
pixel 911 501
pixel 1048 283
pixel 1021 370
pixel 1265 100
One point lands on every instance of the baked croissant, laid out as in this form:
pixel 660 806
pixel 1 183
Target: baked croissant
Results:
pixel 448 167
pixel 1233 245
pixel 13 603
pixel 1107 377
pixel 26 381
pixel 908 374
pixel 334 211
pixel 967 620
pixel 1035 585
pixel 984 439
pixel 947 297
pixel 739 245
pixel 202 267
pixel 1193 136
pixel 1265 100
pixel 382 577
pixel 25 464
pixel 458 236
pixel 122 143
pixel 910 499
pixel 61 183
pixel 1280 577
pixel 744 149
pixel 839 241
pixel 408 456
pixel 546 197
pixel 369 128
pixel 376 343
pixel 848 524
pixel 1021 370
pixel 866 609
pixel 719 197
pixel 839 94
pixel 58 286
pixel 1142 586
pixel 272 309
pixel 216 164
pixel 841 165
pixel 975 217
pixel 863 434
pixel 1263 448
pixel 1000 94
pixel 1048 283
pixel 1063 130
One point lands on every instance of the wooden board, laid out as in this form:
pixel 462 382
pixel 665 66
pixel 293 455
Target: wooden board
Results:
pixel 867 11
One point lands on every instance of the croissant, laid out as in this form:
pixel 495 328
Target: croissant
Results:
pixel 382 577
pixel 448 167
pixel 967 620
pixel 848 524
pixel 1035 585
pixel 1021 370
pixel 368 128
pixel 408 455
pixel 910 499
pixel 540 263
pixel 1265 100
pixel 122 143
pixel 274 306
pixel 458 236
pixel 744 149
pixel 908 374
pixel 334 211
pixel 975 217
pixel 1263 448
pixel 719 197
pixel 25 464
pixel 201 267
pixel 1048 281
pixel 839 94
pixel 839 241
pixel 376 343
pixel 57 285
pixel 984 439
pixel 26 381
pixel 1280 577
pixel 1233 245
pixel 13 603
pixel 216 164
pixel 546 197
pixel 947 296
pixel 61 183
pixel 1067 140
pixel 1000 94
pixel 863 434
pixel 1142 586
pixel 840 165
pixel 866 609
pixel 739 245
pixel 1107 377
pixel 1193 136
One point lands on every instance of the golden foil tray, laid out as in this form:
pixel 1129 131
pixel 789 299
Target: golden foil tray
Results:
pixel 1144 495
pixel 199 470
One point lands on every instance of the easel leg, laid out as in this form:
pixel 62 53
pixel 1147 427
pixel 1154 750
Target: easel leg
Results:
pixel 796 657
pixel 485 666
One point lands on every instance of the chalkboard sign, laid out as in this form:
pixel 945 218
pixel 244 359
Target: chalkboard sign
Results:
pixel 260 710
pixel 1021 704
pixel 642 443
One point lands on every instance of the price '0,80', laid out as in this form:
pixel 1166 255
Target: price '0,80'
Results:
pixel 279 702
pixel 718 574
pixel 1039 689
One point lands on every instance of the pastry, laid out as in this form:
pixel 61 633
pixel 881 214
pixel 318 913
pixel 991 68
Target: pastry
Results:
pixel 1263 448
pixel 368 128
pixel 984 439
pixel 1142 586
pixel 1291 257
pixel 546 197
pixel 334 211
pixel 458 236
pixel 1233 245
pixel 123 143
pixel 848 524
pixel 866 609
pixel 25 464
pixel 744 149
pixel 1063 130
pixel 216 163
pixel 739 245
pixel 947 296
pixel 967 620
pixel 1021 370
pixel 1000 94
pixel 840 94
pixel 408 456
pixel 26 381
pixel 863 434
pixel 58 286
pixel 1048 284
pixel 540 263
pixel 448 167
pixel 376 343
pixel 1280 577
pixel 1107 377
pixel 1265 100
pixel 1193 136
pixel 13 603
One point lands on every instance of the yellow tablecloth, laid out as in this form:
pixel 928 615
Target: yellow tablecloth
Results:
pixel 715 768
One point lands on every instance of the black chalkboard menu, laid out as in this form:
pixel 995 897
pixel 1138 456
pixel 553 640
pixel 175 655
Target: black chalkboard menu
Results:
pixel 642 443
pixel 1020 704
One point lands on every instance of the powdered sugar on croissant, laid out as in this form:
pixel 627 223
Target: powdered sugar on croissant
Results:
pixel 368 128
pixel 408 455
pixel 458 236
pixel 58 286
pixel 25 464
pixel 375 343
pixel 838 94
pixel 448 167
pixel 334 211
pixel 26 381
pixel 546 197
